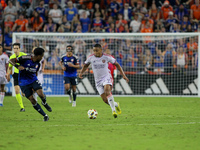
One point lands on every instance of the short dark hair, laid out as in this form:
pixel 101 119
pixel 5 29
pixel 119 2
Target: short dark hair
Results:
pixel 38 51
pixel 98 45
pixel 69 47
pixel 16 44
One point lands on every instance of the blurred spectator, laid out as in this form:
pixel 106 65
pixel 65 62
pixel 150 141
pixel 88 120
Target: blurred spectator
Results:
pixel 78 29
pixel 1 13
pixel 174 28
pixel 8 39
pixel 132 58
pixel 152 47
pixel 112 28
pixel 139 50
pixel 61 47
pixel 195 10
pixel 10 11
pixel 168 55
pixel 22 23
pixel 120 23
pixel 71 11
pixel 147 59
pixel 82 9
pixel 85 22
pixel 170 21
pixel 8 22
pixel 53 61
pixel 37 22
pixel 42 11
pixel 88 3
pixel 97 11
pixel 147 28
pixel 97 22
pixel 108 22
pixel 61 29
pixel 185 2
pixel 154 12
pixel 158 62
pixel 180 12
pixel 194 24
pixel 55 14
pixel 126 11
pixel 140 10
pixel 192 47
pixel 23 3
pixel 126 45
pixel 3 4
pixel 52 2
pixel 65 24
pixel 147 19
pixel 158 26
pixel 184 24
pixel 46 49
pixel 181 59
pixel 114 8
pixel 135 24
pixel 165 9
pixel 104 44
pixel 50 26
pixel 81 56
pixel 78 44
pixel 126 29
pixel 75 23
pixel 195 60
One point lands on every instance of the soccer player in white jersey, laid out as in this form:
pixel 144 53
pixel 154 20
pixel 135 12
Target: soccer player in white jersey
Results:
pixel 40 73
pixel 3 67
pixel 103 78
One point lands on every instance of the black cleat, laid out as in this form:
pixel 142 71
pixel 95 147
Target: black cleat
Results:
pixel 47 107
pixel 46 118
pixel 22 110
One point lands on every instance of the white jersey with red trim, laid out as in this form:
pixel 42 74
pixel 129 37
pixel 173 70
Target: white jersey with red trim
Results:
pixel 100 65
pixel 3 61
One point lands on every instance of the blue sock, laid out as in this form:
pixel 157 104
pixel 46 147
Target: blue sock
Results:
pixel 39 109
pixel 74 96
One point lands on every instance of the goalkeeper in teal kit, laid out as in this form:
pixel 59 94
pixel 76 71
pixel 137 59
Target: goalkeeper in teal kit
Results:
pixel 28 82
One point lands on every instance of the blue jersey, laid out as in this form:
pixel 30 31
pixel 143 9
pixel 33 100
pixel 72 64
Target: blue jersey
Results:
pixel 70 71
pixel 28 75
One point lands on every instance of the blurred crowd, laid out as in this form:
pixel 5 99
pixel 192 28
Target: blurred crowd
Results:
pixel 108 16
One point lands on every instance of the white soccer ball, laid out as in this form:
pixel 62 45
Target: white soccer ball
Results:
pixel 92 114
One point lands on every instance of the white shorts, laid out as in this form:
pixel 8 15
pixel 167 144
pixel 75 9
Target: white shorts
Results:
pixel 100 84
pixel 40 78
pixel 3 80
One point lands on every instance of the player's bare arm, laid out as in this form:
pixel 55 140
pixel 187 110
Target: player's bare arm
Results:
pixel 13 62
pixel 85 66
pixel 8 73
pixel 61 64
pixel 121 71
pixel 72 65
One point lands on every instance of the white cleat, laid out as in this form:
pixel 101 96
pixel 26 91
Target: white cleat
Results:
pixel 74 104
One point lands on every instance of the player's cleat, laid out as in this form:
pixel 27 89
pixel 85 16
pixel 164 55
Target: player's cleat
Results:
pixel 118 109
pixel 22 110
pixel 1 105
pixel 46 118
pixel 114 114
pixel 74 104
pixel 47 107
pixel 70 98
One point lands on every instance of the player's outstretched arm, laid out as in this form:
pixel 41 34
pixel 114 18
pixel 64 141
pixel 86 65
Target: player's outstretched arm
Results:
pixel 8 73
pixel 13 62
pixel 121 71
pixel 85 66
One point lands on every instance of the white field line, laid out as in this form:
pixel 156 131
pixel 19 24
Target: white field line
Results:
pixel 78 125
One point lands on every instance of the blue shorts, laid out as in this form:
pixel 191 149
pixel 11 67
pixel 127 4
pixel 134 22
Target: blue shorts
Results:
pixel 28 89
pixel 70 80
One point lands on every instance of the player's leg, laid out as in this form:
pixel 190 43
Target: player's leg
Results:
pixel 74 83
pixel 17 92
pixel 67 88
pixel 2 94
pixel 28 91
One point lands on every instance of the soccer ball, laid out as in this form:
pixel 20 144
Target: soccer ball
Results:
pixel 92 114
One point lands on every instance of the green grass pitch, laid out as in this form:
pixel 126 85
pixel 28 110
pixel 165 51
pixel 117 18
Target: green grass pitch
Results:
pixel 146 123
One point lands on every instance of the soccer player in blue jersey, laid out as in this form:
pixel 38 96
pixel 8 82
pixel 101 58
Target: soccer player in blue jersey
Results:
pixel 70 64
pixel 28 67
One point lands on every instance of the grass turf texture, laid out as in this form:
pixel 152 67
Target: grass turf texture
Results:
pixel 145 124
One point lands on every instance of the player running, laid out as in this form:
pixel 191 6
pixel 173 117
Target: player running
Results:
pixel 3 67
pixel 70 64
pixel 103 78
pixel 17 53
pixel 28 67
